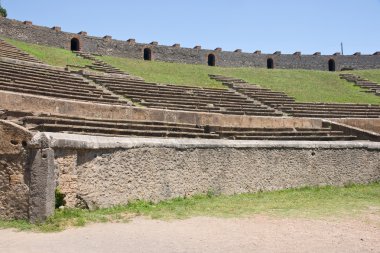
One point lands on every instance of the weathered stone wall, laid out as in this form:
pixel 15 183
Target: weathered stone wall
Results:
pixel 14 177
pixel 107 46
pixel 159 169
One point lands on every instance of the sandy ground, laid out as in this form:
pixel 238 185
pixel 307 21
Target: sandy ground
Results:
pixel 258 234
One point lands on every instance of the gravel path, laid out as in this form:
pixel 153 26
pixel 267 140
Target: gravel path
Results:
pixel 258 234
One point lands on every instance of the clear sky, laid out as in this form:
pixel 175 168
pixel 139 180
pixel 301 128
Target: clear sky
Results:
pixel 268 25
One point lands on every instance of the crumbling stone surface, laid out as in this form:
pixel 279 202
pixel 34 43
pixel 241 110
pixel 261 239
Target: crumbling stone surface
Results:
pixel 14 190
pixel 14 180
pixel 110 177
pixel 66 176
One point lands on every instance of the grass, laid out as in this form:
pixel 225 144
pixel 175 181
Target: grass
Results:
pixel 308 202
pixel 50 55
pixel 372 75
pixel 304 85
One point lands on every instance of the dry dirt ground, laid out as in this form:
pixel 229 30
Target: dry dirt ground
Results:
pixel 258 234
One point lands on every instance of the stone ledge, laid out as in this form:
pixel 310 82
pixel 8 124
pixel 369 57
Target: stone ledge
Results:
pixel 76 141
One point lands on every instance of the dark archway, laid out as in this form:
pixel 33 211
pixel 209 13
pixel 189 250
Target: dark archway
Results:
pixel 331 65
pixel 211 61
pixel 75 44
pixel 147 54
pixel 270 63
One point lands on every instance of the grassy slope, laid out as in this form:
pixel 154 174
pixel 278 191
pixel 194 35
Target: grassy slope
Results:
pixel 50 55
pixel 372 75
pixel 307 202
pixel 304 85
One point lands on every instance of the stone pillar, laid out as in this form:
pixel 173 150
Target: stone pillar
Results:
pixel 42 183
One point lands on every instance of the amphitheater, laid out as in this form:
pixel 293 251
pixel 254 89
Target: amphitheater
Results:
pixel 104 137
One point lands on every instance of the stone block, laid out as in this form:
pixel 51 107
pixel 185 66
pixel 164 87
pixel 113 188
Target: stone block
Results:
pixel 131 41
pixel 56 28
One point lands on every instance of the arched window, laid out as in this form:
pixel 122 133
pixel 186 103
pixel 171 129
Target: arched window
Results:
pixel 270 63
pixel 147 54
pixel 331 65
pixel 211 60
pixel 75 45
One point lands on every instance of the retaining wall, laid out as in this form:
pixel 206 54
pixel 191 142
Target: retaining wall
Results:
pixel 101 172
pixel 28 32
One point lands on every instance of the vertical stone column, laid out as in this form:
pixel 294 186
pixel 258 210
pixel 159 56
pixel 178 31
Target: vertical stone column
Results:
pixel 42 182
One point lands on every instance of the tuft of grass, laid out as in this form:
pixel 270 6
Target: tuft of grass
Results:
pixel 304 85
pixel 307 202
pixel 50 55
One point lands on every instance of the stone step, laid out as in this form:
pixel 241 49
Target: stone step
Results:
pixel 130 125
pixel 61 91
pixel 300 138
pixel 281 133
pixel 114 131
pixel 34 91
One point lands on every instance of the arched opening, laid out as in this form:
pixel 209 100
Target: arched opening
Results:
pixel 147 54
pixel 75 45
pixel 270 63
pixel 331 65
pixel 211 60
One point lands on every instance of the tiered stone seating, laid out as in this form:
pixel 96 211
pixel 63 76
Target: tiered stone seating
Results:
pixel 114 127
pixel 99 65
pixel 287 104
pixel 10 51
pixel 41 80
pixel 104 127
pixel 368 86
pixel 185 98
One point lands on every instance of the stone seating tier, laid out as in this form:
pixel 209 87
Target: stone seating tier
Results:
pixel 52 82
pixel 9 51
pixel 104 127
pixel 287 104
pixel 185 98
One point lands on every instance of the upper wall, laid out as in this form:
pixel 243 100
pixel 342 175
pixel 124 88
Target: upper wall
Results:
pixel 28 32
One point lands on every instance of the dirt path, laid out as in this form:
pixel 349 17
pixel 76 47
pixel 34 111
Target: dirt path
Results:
pixel 259 234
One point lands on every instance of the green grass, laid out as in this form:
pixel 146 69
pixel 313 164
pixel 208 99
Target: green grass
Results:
pixel 50 55
pixel 304 85
pixel 372 75
pixel 309 202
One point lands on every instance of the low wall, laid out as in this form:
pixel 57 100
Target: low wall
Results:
pixel 103 171
pixel 40 104
pixel 14 175
pixel 367 124
pixel 107 46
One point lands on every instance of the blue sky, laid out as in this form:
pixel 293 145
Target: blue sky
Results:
pixel 271 25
